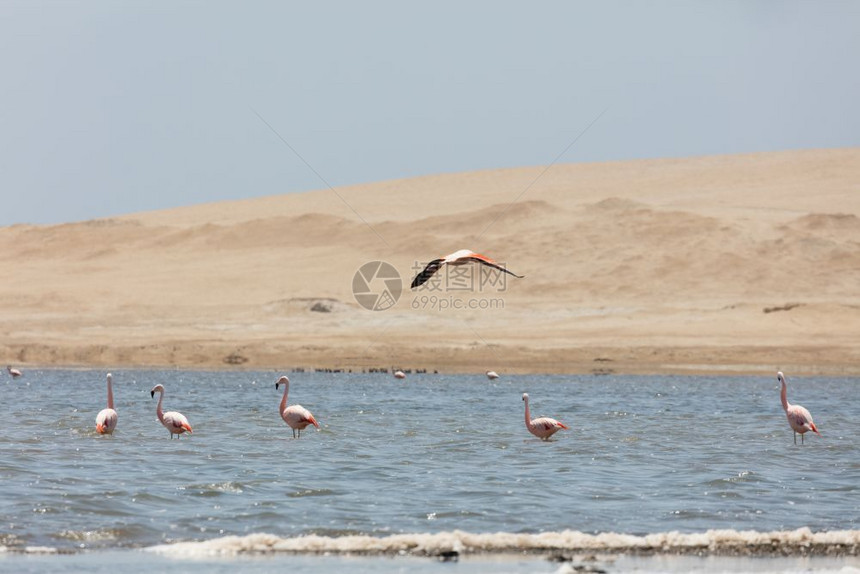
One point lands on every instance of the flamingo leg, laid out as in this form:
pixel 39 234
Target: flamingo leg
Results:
pixel 801 439
pixel 795 437
pixel 294 433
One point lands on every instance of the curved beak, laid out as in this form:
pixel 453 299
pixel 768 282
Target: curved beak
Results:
pixel 152 394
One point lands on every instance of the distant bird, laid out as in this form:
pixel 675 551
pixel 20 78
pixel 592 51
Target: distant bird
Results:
pixel 297 417
pixel 798 417
pixel 14 372
pixel 543 427
pixel 173 421
pixel 461 257
pixel 492 375
pixel 106 419
pixel 399 374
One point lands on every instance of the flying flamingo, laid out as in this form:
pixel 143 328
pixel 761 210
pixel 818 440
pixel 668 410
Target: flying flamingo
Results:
pixel 14 372
pixel 173 421
pixel 492 375
pixel 297 417
pixel 799 418
pixel 461 257
pixel 399 374
pixel 106 419
pixel 543 427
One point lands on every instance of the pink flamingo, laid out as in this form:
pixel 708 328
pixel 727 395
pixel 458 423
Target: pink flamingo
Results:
pixel 399 374
pixel 106 419
pixel 492 375
pixel 14 372
pixel 799 419
pixel 461 257
pixel 543 427
pixel 173 421
pixel 297 417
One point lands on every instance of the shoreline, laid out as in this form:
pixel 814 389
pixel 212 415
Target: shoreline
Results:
pixel 557 546
pixel 598 361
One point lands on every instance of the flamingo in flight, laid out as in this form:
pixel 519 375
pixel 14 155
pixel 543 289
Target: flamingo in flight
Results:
pixel 492 375
pixel 543 427
pixel 461 257
pixel 799 419
pixel 297 417
pixel 14 372
pixel 173 421
pixel 106 419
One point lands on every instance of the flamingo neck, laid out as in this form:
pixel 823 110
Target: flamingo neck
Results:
pixel 110 395
pixel 783 395
pixel 528 414
pixel 158 410
pixel 284 400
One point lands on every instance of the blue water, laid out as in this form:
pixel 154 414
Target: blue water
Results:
pixel 432 453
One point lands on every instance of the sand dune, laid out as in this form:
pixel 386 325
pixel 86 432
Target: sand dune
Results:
pixel 641 266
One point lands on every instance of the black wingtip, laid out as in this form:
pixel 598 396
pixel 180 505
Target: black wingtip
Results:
pixel 426 273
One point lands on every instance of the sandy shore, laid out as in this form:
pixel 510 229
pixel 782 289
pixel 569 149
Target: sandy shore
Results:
pixel 728 264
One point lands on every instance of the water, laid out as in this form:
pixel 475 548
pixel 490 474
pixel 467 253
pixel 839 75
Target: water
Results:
pixel 432 454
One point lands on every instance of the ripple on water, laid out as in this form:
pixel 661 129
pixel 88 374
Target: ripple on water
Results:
pixel 152 498
pixel 91 536
pixel 741 478
pixel 214 489
pixel 106 506
pixel 692 514
pixel 727 494
pixel 307 492
pixel 451 514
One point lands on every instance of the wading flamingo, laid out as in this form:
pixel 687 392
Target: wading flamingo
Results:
pixel 14 372
pixel 543 427
pixel 399 374
pixel 799 418
pixel 173 421
pixel 297 417
pixel 461 257
pixel 492 375
pixel 106 419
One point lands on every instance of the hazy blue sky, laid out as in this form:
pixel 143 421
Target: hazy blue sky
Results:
pixel 116 107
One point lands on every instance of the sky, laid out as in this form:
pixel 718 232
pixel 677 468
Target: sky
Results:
pixel 109 108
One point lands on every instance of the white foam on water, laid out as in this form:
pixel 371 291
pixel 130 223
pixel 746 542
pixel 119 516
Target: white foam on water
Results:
pixel 735 542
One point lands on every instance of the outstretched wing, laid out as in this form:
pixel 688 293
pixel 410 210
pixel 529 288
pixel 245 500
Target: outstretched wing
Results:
pixel 427 273
pixel 484 260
